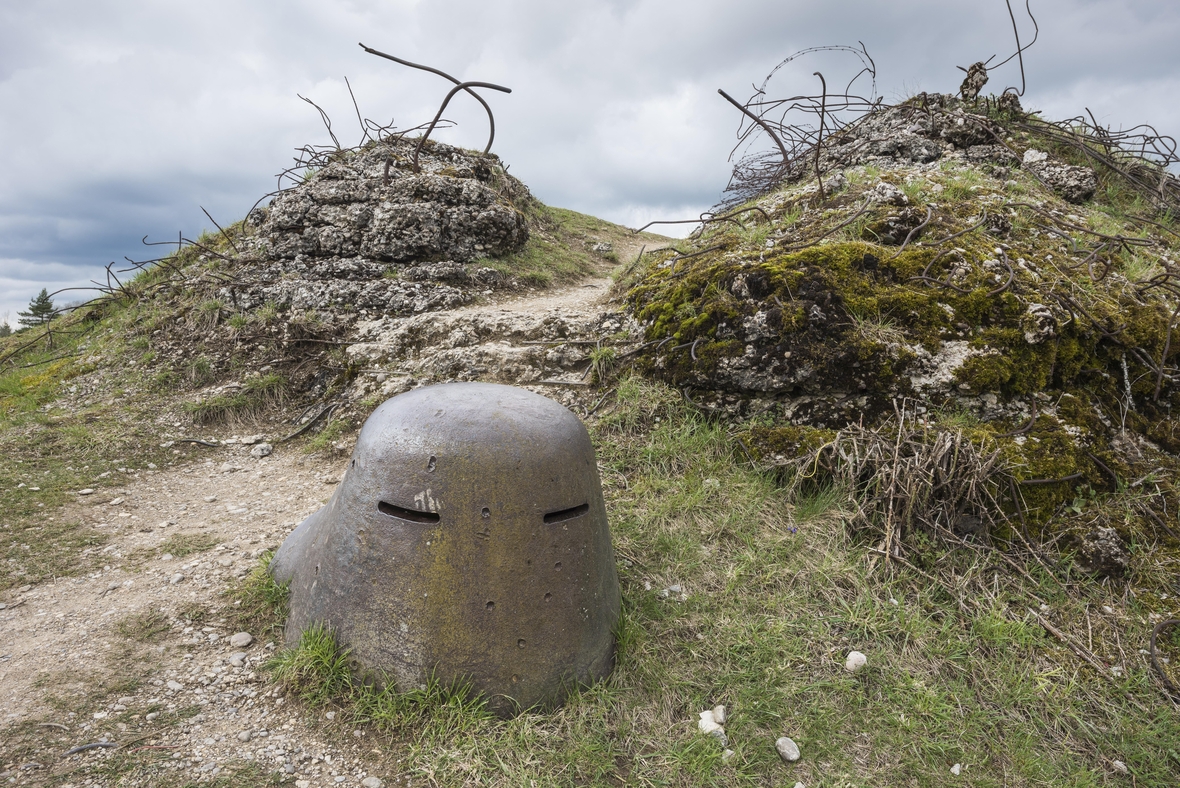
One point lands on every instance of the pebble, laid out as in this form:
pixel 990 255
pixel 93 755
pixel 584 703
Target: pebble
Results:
pixel 1108 610
pixel 719 714
pixel 175 686
pixel 707 723
pixel 302 784
pixel 176 578
pixel 855 661
pixel 261 450
pixel 87 491
pixel 241 639
pixel 787 749
pixel 151 715
pixel 1120 767
pixel 957 769
pixel 727 756
pixel 244 736
pixel 210 498
pixel 228 467
pixel 372 782
pixel 237 659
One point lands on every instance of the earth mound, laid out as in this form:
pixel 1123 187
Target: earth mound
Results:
pixel 959 266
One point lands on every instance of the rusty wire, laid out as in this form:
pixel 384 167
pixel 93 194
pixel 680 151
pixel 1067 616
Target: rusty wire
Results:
pixel 461 86
pixel 444 75
pixel 706 218
pixel 796 141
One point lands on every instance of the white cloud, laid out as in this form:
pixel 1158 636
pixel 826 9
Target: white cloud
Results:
pixel 121 117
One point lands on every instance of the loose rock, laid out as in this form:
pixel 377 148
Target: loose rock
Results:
pixel 855 661
pixel 261 450
pixel 719 714
pixel 787 749
pixel 241 640
pixel 1104 553
pixel 176 578
pixel 372 782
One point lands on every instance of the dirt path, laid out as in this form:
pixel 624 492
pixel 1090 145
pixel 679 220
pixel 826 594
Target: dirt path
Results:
pixel 141 654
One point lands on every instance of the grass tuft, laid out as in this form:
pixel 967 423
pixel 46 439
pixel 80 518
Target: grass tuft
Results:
pixel 182 545
pixel 146 627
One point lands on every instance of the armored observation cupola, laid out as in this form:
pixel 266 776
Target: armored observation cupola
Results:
pixel 468 540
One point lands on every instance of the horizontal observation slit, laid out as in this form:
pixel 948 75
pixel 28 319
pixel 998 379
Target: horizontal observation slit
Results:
pixel 566 514
pixel 401 513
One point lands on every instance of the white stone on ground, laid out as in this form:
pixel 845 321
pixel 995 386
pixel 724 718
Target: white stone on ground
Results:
pixel 855 661
pixel 237 659
pixel 706 723
pixel 241 640
pixel 787 749
pixel 957 769
pixel 719 714
pixel 372 782
pixel 261 450
pixel 176 578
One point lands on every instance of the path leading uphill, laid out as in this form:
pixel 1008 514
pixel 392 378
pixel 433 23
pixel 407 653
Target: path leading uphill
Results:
pixel 141 654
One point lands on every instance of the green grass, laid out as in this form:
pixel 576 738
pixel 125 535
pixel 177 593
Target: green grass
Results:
pixel 558 247
pixel 181 545
pixel 258 394
pixel 259 603
pixel 145 627
pixel 778 593
pixel 331 432
pixel 55 450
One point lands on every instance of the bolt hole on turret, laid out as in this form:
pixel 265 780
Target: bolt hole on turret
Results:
pixel 431 464
pixel 520 643
pixel 491 605
pixel 557 566
pixel 485 513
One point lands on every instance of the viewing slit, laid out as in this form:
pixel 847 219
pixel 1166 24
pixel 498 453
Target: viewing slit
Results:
pixel 412 515
pixel 566 514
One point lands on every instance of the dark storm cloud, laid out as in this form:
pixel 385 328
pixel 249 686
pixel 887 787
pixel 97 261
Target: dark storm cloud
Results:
pixel 121 117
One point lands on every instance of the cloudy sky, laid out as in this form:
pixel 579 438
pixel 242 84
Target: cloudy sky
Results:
pixel 120 118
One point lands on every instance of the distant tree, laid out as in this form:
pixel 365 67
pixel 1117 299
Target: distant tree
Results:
pixel 5 329
pixel 40 310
